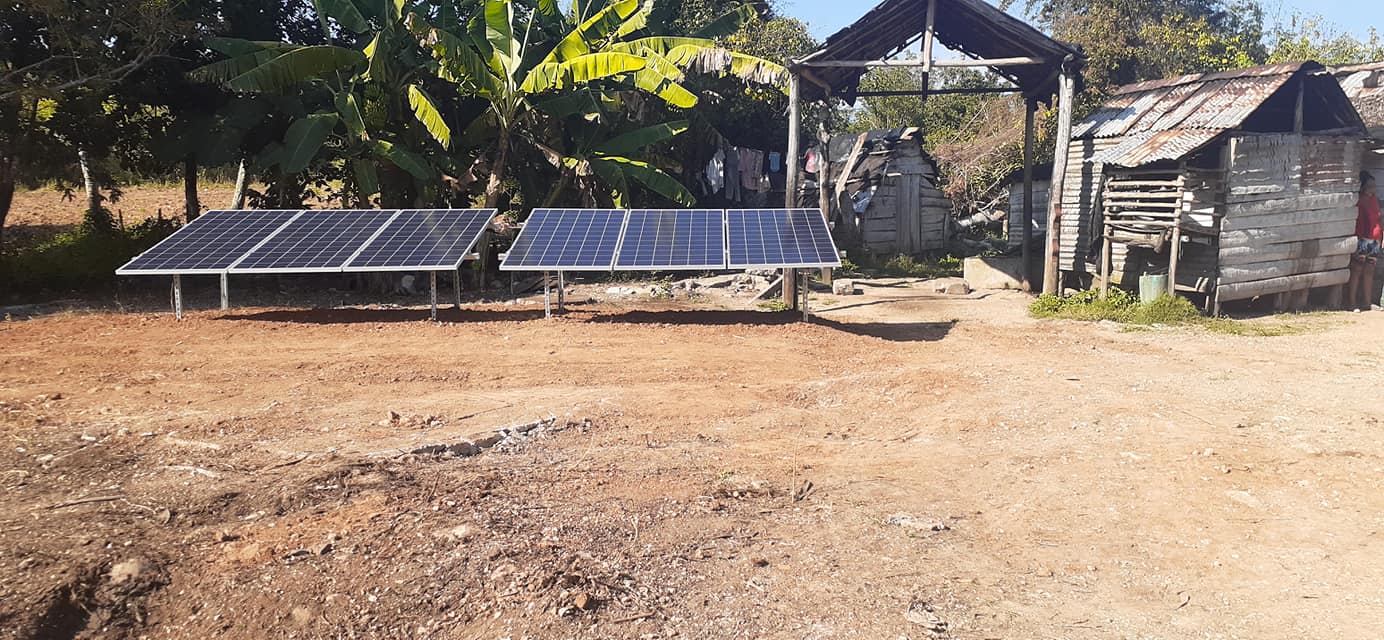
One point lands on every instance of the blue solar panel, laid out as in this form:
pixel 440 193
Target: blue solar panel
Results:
pixel 673 239
pixel 424 240
pixel 209 244
pixel 320 240
pixel 567 240
pixel 779 239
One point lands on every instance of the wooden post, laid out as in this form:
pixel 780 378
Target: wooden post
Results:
pixel 929 33
pixel 1030 110
pixel 1066 89
pixel 824 176
pixel 790 187
pixel 1173 255
pixel 1297 112
pixel 1105 260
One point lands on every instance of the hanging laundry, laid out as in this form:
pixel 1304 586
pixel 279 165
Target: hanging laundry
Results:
pixel 775 161
pixel 812 161
pixel 716 171
pixel 751 168
pixel 732 174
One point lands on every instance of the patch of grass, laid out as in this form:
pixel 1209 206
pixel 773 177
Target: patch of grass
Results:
pixel 82 259
pixel 902 266
pixel 1122 307
pixel 776 306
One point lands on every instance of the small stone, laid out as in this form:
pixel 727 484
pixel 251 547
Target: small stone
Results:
pixel 324 548
pixel 301 615
pixel 957 289
pixel 45 458
pixel 394 416
pixel 584 601
pixel 843 287
pixel 128 570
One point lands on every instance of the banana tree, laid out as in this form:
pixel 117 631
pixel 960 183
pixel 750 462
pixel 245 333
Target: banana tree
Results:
pixel 527 82
pixel 370 102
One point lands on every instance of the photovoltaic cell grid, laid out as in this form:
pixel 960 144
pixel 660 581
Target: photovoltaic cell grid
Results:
pixel 567 240
pixel 779 238
pixel 423 240
pixel 208 244
pixel 319 240
pixel 673 239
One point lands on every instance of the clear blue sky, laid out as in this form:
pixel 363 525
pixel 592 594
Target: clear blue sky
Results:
pixel 824 17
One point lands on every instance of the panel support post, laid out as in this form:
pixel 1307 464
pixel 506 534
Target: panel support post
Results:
pixel 547 297
pixel 790 186
pixel 807 290
pixel 561 293
pixel 456 287
pixel 1066 91
pixel 225 291
pixel 432 290
pixel 177 296
pixel 1030 110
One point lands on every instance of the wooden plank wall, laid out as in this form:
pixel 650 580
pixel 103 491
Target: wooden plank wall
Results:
pixel 907 213
pixel 1080 204
pixel 1290 214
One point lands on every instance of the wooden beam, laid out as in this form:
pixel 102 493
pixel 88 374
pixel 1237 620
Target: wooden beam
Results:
pixel 965 62
pixel 938 92
pixel 1030 109
pixel 790 187
pixel 823 176
pixel 929 33
pixel 1066 91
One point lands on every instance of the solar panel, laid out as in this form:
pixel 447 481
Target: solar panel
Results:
pixel 209 244
pixel 424 240
pixel 779 239
pixel 317 240
pixel 673 239
pixel 567 240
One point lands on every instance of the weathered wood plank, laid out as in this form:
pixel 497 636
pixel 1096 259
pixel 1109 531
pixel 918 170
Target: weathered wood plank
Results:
pixel 1289 250
pixel 1298 203
pixel 1240 291
pixel 1260 238
pixel 1290 218
pixel 1232 274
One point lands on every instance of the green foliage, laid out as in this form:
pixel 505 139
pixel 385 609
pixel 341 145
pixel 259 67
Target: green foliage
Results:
pixel 81 259
pixel 1174 311
pixel 902 266
pixel 1310 37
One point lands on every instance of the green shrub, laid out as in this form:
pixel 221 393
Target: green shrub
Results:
pixel 1121 306
pixel 82 259
pixel 904 266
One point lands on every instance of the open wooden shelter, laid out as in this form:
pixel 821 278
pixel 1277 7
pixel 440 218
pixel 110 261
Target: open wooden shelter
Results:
pixel 1033 64
pixel 1236 184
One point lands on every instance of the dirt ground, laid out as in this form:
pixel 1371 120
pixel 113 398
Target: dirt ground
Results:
pixel 908 465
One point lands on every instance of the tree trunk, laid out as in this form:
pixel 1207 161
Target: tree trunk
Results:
pixel 7 165
pixel 93 194
pixel 558 189
pixel 494 186
pixel 241 178
pixel 191 206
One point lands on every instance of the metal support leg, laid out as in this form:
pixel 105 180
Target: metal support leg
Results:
pixel 456 286
pixel 561 292
pixel 178 297
pixel 225 292
pixel 547 297
pixel 432 285
pixel 806 290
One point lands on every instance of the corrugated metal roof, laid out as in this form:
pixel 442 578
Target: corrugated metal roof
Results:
pixel 1364 85
pixel 1171 118
pixel 972 27
pixel 1153 146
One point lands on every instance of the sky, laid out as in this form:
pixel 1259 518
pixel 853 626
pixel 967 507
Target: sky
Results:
pixel 824 17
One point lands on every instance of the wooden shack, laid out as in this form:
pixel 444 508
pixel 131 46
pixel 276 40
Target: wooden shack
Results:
pixel 885 189
pixel 1236 185
pixel 1013 204
pixel 1364 85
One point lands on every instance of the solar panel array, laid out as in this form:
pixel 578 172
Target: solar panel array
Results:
pixel 673 239
pixel 318 240
pixel 567 240
pixel 422 241
pixel 779 239
pixel 209 244
pixel 662 240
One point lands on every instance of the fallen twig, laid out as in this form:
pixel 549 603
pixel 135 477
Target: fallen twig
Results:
pixel 73 503
pixel 641 616
pixel 289 463
pixel 197 470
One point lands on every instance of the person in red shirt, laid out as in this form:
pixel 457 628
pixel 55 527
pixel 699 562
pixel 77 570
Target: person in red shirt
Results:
pixel 1360 289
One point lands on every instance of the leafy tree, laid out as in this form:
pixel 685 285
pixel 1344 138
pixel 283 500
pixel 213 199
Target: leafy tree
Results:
pixel 1310 37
